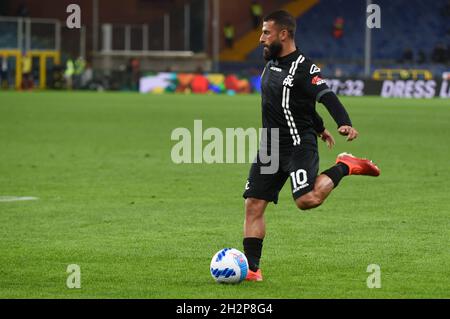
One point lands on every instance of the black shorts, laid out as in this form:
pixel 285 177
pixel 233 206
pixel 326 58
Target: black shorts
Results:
pixel 300 163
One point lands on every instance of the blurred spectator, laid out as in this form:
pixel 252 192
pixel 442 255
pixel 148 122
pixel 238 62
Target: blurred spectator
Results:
pixel 421 57
pixel 228 32
pixel 133 74
pixel 256 11
pixel 68 73
pixel 338 28
pixel 4 73
pixel 87 77
pixel 27 75
pixel 79 67
pixel 439 54
pixel 57 77
pixel 407 56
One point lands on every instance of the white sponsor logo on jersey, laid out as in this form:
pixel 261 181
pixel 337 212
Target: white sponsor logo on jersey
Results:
pixel 314 69
pixel 288 81
pixel 273 68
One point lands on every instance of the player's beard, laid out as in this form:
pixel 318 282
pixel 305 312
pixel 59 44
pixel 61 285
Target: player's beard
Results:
pixel 272 51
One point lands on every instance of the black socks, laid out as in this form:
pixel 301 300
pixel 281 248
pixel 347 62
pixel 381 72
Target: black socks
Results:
pixel 337 172
pixel 252 250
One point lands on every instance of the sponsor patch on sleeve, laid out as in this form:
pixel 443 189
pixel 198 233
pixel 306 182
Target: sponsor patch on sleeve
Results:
pixel 317 80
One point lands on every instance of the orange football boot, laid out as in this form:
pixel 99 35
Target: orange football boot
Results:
pixel 358 166
pixel 254 275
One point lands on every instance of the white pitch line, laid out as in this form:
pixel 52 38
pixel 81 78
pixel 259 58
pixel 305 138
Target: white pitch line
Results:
pixel 16 198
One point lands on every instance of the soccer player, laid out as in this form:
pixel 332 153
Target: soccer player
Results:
pixel 290 86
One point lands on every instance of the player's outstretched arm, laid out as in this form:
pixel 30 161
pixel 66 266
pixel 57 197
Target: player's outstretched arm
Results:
pixel 340 115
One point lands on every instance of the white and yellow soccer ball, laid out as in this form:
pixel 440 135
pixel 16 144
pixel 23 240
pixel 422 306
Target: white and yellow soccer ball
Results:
pixel 229 265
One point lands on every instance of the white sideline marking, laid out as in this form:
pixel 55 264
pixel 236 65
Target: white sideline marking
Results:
pixel 16 198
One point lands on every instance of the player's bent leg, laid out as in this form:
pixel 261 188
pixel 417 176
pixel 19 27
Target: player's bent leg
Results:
pixel 254 225
pixel 322 188
pixel 347 164
pixel 323 185
pixel 308 201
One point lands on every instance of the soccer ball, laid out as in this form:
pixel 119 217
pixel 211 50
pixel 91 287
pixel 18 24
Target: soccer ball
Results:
pixel 229 265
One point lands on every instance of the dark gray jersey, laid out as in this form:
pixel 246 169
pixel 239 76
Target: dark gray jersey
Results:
pixel 290 87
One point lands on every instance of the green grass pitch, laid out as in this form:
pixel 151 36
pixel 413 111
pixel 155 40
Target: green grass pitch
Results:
pixel 112 201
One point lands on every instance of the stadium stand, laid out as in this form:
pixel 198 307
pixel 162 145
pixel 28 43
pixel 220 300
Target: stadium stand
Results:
pixel 415 24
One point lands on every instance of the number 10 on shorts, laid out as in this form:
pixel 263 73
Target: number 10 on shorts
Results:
pixel 299 180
